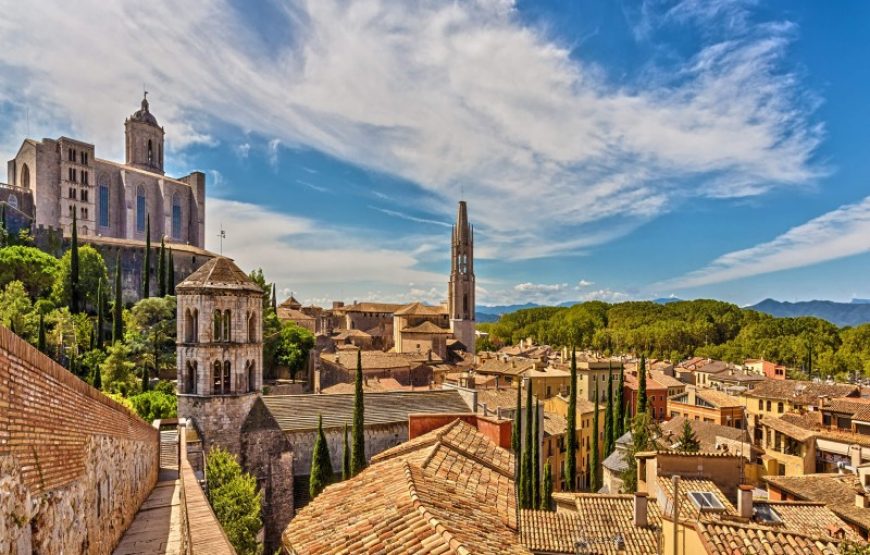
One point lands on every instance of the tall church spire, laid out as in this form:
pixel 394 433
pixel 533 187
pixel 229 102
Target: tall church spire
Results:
pixel 460 295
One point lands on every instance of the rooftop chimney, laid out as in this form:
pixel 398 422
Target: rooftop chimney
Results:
pixel 640 509
pixel 855 452
pixel 744 501
pixel 861 500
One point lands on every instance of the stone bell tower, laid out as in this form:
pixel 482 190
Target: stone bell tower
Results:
pixel 219 350
pixel 460 294
pixel 144 140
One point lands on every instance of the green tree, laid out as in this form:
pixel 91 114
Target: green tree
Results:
pixel 146 264
pixel 151 329
pixel 97 377
pixel 596 453
pixel 151 405
pixel 236 501
pixel 40 342
pixel 643 438
pixel 536 458
pixel 161 269
pixel 528 484
pixel 292 348
pixel 100 318
pixel 15 307
pixel 34 268
pixel 641 386
pixel 118 305
pixel 609 427
pixel 688 441
pixel 620 406
pixel 571 431
pixel 547 493
pixel 4 229
pixel 321 466
pixel 118 370
pixel 516 429
pixel 74 292
pixel 274 300
pixel 170 273
pixel 91 269
pixel 358 449
pixel 345 456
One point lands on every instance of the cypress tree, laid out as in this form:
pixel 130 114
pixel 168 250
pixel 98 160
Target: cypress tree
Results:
pixel 536 458
pixel 621 427
pixel 100 317
pixel 145 376
pixel 516 430
pixel 321 466
pixel 358 449
pixel 40 341
pixel 97 379
pixel 146 264
pixel 688 441
pixel 12 325
pixel 274 300
pixel 528 465
pixel 118 307
pixel 161 269
pixel 547 492
pixel 594 486
pixel 641 386
pixel 92 342
pixel 609 428
pixel 570 470
pixel 170 273
pixel 345 467
pixel 74 293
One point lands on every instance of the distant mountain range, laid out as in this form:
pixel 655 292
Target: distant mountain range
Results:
pixel 840 314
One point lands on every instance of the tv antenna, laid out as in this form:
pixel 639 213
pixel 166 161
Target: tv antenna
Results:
pixel 222 235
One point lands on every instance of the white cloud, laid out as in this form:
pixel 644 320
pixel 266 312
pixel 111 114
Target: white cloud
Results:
pixel 242 150
pixel 540 287
pixel 301 256
pixel 837 234
pixel 403 216
pixel 448 95
pixel 582 284
pixel 272 152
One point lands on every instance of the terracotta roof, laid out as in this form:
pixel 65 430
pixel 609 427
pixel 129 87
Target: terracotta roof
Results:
pixel 665 380
pixel 597 518
pixel 862 414
pixel 371 307
pixel 300 412
pixel 556 424
pixel 426 327
pixel 787 428
pixel 688 509
pixel 344 334
pixel 504 398
pixel 377 360
pixel 285 313
pixel 808 517
pixel 721 538
pixel 512 367
pixel 420 309
pixel 219 273
pixel 450 491
pixel 291 302
pixel 716 398
pixel 848 405
pixel 120 242
pixel 632 383
pixel 801 392
pixel 837 491
pixel 379 385
pixel 706 432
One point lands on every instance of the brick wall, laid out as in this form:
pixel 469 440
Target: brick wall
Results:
pixel 85 462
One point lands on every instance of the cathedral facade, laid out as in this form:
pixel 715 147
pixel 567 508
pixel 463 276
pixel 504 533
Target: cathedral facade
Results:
pixel 63 178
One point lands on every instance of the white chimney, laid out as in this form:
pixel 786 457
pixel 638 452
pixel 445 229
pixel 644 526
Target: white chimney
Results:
pixel 855 452
pixel 861 500
pixel 744 501
pixel 640 509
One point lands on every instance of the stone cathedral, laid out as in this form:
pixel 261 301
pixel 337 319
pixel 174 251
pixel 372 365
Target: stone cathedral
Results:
pixel 460 293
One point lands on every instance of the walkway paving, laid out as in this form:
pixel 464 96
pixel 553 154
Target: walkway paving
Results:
pixel 156 530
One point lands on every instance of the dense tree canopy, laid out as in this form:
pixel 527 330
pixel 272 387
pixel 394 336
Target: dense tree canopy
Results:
pixel 34 268
pixel 91 270
pixel 692 328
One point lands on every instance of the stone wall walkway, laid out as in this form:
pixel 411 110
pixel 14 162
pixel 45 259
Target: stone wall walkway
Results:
pixel 156 530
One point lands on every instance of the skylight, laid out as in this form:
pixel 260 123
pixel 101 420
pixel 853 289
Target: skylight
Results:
pixel 706 501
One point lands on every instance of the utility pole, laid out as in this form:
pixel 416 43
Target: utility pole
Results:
pixel 676 482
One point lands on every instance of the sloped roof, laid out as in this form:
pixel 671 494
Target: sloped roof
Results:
pixel 377 360
pixel 706 432
pixel 801 392
pixel 592 517
pixel 426 327
pixel 300 412
pixel 665 380
pixel 787 428
pixel 285 313
pixel 450 491
pixel 728 538
pixel 808 517
pixel 837 491
pixel 371 307
pixel 291 302
pixel 688 509
pixel 219 273
pixel 379 385
pixel 420 309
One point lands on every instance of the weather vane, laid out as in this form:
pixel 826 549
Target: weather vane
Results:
pixel 222 235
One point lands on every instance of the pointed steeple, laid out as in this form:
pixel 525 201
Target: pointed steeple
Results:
pixel 460 295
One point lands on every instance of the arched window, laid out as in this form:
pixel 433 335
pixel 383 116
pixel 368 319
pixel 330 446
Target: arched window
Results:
pixel 252 380
pixel 140 209
pixel 195 332
pixel 252 327
pixel 227 383
pixel 190 378
pixel 176 217
pixel 218 326
pixel 228 326
pixel 12 201
pixel 150 152
pixel 104 203
pixel 188 326
pixel 25 176
pixel 216 378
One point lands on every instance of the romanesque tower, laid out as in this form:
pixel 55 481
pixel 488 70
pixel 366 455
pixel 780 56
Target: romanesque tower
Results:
pixel 144 140
pixel 220 350
pixel 460 295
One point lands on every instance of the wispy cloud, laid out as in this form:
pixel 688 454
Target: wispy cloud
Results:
pixel 312 186
pixel 433 98
pixel 837 234
pixel 403 216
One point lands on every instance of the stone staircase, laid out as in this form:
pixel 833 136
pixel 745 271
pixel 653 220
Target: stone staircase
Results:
pixel 169 448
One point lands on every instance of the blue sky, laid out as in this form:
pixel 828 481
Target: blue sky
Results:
pixel 608 150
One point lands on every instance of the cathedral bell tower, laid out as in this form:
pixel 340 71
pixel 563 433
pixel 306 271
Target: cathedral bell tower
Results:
pixel 460 294
pixel 144 140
